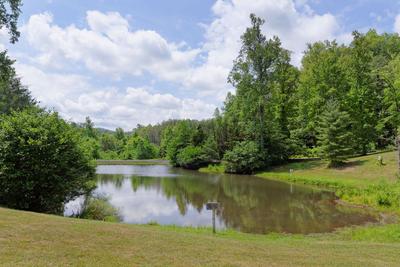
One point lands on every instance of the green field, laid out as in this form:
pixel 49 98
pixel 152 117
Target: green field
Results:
pixel 31 239
pixel 357 170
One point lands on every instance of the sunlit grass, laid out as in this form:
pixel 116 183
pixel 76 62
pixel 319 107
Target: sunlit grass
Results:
pixel 30 239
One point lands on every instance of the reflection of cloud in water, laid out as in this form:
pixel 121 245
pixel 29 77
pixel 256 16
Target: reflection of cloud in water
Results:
pixel 175 196
pixel 73 207
pixel 149 204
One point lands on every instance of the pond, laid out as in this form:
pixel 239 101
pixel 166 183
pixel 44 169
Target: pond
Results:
pixel 173 196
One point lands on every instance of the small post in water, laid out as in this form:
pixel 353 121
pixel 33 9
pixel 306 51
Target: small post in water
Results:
pixel 212 206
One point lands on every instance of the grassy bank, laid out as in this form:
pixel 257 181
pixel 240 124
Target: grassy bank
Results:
pixel 30 239
pixel 361 181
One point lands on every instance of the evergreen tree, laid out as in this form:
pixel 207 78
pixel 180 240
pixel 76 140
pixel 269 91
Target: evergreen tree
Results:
pixel 334 135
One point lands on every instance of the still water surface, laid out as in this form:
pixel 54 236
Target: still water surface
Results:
pixel 169 195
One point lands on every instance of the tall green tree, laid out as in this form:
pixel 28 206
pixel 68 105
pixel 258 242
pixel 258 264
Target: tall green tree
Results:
pixel 264 80
pixel 363 95
pixel 322 79
pixel 335 137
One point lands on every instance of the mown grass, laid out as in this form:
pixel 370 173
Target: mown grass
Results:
pixel 30 239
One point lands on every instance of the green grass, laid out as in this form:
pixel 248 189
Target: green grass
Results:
pixel 213 168
pixel 31 239
pixel 360 181
pixel 357 171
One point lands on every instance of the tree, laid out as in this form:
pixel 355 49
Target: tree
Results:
pixel 9 14
pixel 363 95
pixel 335 138
pixel 264 80
pixel 90 131
pixel 120 134
pixel 13 95
pixel 42 163
pixel 139 148
pixel 322 79
pixel 179 137
pixel 245 157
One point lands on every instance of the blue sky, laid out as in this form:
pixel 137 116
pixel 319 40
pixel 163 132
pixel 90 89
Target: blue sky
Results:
pixel 124 62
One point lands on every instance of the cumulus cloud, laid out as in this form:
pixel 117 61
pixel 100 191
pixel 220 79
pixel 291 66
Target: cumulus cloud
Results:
pixel 107 46
pixel 74 97
pixel 397 24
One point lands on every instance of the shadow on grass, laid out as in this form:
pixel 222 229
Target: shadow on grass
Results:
pixel 350 164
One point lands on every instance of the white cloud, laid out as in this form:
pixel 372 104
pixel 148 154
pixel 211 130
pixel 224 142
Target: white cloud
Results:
pixel 108 46
pixel 397 24
pixel 74 97
pixel 3 38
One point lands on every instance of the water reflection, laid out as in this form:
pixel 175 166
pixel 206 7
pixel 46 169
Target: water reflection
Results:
pixel 175 196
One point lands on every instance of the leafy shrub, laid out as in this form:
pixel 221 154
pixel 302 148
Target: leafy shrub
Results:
pixel 99 208
pixel 42 163
pixel 192 157
pixel 245 157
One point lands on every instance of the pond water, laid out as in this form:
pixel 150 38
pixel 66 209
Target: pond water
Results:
pixel 167 195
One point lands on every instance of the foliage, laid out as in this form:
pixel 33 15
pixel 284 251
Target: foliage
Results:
pixel 99 208
pixel 42 163
pixel 195 157
pixel 9 14
pixel 13 95
pixel 335 135
pixel 90 147
pixel 245 157
pixel 139 148
pixel 264 81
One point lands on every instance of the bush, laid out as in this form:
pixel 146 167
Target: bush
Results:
pixel 245 157
pixel 42 163
pixel 99 208
pixel 192 157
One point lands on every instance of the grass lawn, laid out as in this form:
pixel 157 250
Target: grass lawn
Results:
pixel 358 170
pixel 31 239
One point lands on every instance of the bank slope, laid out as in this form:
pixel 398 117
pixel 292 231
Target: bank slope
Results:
pixel 31 239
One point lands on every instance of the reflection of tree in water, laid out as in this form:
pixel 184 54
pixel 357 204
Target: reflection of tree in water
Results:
pixel 251 204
